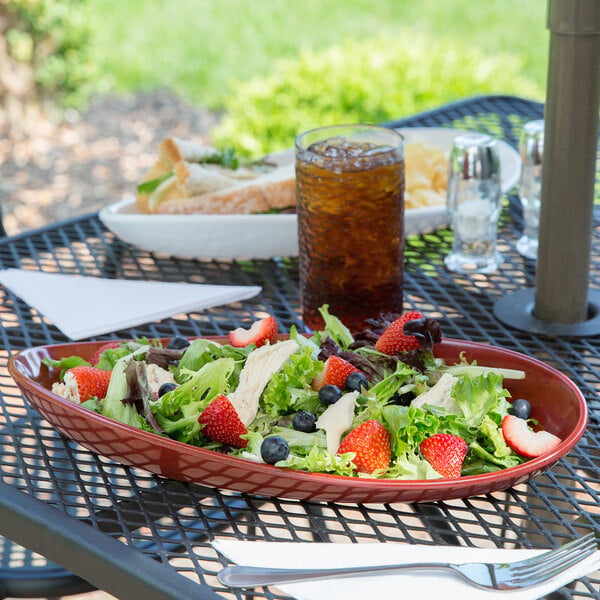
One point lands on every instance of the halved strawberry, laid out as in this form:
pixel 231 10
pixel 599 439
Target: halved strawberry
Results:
pixel 95 359
pixel 335 372
pixel 260 332
pixel 83 383
pixel 370 441
pixel 222 423
pixel 525 441
pixel 445 453
pixel 394 341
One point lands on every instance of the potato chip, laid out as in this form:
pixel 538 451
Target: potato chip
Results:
pixel 426 175
pixel 424 197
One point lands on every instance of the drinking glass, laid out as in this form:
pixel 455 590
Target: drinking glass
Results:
pixel 474 204
pixel 350 202
pixel 531 148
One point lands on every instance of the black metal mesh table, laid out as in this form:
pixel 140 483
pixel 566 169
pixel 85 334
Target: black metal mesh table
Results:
pixel 137 535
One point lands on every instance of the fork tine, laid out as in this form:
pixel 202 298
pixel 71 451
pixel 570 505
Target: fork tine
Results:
pixel 585 542
pixel 558 565
pixel 555 561
pixel 548 572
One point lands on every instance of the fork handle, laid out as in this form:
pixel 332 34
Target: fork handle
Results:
pixel 237 576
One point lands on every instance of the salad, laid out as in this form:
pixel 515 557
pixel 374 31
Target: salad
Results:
pixel 376 403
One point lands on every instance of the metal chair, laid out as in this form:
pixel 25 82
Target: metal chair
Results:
pixel 25 574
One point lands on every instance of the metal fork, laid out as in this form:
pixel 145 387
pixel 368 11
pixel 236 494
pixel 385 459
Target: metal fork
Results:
pixel 496 576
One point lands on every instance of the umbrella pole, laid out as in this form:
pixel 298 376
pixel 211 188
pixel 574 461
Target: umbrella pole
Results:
pixel 562 303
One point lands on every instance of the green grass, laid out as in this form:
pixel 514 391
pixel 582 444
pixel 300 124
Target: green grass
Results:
pixel 198 47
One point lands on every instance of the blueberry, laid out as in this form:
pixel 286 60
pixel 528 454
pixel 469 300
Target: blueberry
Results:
pixel 356 382
pixel 178 343
pixel 304 421
pixel 403 399
pixel 330 394
pixel 166 387
pixel 520 408
pixel 273 449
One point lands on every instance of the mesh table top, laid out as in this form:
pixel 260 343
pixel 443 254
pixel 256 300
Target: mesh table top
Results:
pixel 174 522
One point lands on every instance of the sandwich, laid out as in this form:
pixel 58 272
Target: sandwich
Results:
pixel 189 177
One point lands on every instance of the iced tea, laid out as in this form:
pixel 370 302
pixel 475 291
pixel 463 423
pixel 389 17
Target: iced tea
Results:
pixel 350 201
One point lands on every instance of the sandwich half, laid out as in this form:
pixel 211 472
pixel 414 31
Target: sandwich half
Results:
pixel 189 177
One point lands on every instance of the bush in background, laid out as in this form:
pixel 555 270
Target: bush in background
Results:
pixel 378 80
pixel 44 52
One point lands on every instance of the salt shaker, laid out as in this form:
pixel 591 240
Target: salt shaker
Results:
pixel 474 202
pixel 531 148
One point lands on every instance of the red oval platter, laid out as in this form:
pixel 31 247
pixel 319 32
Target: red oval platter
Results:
pixel 557 404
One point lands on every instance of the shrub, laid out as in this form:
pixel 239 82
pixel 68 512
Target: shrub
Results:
pixel 50 38
pixel 372 81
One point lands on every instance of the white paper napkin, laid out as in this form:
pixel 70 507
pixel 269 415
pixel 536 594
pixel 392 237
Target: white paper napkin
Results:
pixel 83 307
pixel 423 585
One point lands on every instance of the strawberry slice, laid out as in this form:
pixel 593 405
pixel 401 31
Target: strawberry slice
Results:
pixel 222 423
pixel 260 332
pixel 445 453
pixel 335 372
pixel 95 359
pixel 85 382
pixel 525 441
pixel 394 341
pixel 370 442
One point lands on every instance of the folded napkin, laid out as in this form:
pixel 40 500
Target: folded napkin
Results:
pixel 417 585
pixel 83 307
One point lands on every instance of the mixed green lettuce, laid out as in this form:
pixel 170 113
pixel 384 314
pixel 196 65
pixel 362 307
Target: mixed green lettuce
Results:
pixel 474 410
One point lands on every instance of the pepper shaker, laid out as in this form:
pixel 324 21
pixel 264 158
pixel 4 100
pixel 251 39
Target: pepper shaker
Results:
pixel 474 204
pixel 531 148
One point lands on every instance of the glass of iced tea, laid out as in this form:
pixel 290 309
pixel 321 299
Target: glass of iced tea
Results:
pixel 350 202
